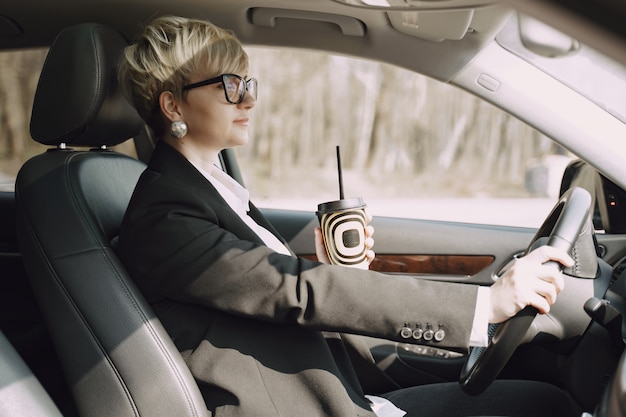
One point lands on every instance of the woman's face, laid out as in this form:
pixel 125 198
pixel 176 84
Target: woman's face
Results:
pixel 214 123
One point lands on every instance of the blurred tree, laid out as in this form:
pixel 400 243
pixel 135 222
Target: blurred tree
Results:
pixel 387 120
pixel 18 80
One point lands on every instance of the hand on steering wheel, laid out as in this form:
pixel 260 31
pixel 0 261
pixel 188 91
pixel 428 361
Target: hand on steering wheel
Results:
pixel 563 226
pixel 531 280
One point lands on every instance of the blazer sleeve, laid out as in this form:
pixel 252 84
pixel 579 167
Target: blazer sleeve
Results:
pixel 183 246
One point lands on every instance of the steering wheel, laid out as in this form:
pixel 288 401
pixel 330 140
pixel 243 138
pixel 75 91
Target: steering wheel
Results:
pixel 563 226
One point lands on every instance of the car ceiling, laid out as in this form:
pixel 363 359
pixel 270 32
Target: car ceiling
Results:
pixel 35 23
pixel 315 24
pixel 598 23
pixel 331 25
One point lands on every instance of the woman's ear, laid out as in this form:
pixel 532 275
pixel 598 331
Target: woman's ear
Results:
pixel 169 106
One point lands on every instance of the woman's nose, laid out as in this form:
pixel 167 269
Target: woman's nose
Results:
pixel 248 101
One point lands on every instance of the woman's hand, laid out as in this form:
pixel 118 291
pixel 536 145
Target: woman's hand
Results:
pixel 320 248
pixel 529 281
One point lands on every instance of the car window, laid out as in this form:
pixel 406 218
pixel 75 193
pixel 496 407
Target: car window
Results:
pixel 18 79
pixel 19 74
pixel 410 146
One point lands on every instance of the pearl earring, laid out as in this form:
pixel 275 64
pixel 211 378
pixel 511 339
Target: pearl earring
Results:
pixel 178 129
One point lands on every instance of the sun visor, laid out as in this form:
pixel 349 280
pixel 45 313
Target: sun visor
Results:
pixel 440 25
pixel 433 25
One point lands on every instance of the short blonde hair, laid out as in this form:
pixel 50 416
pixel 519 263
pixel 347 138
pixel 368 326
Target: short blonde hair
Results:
pixel 170 51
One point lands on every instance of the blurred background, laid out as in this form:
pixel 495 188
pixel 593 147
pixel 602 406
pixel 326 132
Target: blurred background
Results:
pixel 402 136
pixel 414 135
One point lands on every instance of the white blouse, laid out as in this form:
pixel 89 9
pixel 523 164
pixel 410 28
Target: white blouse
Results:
pixel 238 198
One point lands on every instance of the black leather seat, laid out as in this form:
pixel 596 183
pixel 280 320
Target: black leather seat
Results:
pixel 21 394
pixel 118 359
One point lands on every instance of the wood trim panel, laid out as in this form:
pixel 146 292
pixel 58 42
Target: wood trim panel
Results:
pixel 429 264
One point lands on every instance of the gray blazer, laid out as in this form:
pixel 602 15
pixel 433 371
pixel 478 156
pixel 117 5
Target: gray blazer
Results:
pixel 260 330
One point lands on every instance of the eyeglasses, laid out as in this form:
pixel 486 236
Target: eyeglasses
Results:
pixel 234 86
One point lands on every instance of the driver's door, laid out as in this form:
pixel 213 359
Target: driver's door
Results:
pixel 452 251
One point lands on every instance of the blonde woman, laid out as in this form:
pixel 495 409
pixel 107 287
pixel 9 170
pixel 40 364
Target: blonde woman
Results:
pixel 259 328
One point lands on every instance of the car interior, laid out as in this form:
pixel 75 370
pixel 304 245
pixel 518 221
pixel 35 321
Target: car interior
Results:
pixel 103 354
pixel 21 393
pixel 77 338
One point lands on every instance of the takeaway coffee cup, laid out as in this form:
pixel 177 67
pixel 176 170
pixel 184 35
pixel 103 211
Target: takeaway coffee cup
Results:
pixel 343 225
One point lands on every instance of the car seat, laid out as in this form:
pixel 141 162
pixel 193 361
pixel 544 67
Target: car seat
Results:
pixel 116 356
pixel 21 394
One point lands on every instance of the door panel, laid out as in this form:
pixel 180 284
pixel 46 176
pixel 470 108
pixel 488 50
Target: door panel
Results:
pixel 442 250
pixel 459 252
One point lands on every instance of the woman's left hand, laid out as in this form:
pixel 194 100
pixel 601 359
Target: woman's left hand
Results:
pixel 320 248
pixel 529 281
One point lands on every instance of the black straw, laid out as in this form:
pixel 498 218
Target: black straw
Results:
pixel 340 174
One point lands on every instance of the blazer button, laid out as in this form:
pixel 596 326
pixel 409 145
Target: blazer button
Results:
pixel 418 332
pixel 428 333
pixel 406 331
pixel 440 334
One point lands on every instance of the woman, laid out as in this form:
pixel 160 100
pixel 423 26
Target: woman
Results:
pixel 258 327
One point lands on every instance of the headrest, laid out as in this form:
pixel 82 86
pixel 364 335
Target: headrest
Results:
pixel 78 101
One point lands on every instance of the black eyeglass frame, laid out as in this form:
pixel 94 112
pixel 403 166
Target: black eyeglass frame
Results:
pixel 222 78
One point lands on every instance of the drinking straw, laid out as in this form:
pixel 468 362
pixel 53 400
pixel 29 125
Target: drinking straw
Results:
pixel 340 173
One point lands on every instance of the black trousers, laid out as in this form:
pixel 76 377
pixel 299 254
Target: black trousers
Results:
pixel 508 398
